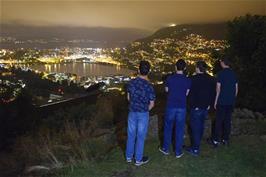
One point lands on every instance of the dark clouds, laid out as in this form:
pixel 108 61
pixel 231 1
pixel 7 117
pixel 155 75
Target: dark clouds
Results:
pixel 132 14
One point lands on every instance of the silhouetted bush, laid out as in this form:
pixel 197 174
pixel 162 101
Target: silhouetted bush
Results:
pixel 247 40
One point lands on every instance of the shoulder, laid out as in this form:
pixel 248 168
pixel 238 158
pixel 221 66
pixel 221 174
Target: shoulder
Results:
pixel 209 76
pixel 233 72
pixel 149 84
pixel 233 75
pixel 195 76
pixel 143 82
pixel 210 79
pixel 188 79
pixel 220 73
pixel 170 77
pixel 131 81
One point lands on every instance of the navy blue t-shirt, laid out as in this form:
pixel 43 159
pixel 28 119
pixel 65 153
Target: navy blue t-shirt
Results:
pixel 228 80
pixel 177 84
pixel 141 92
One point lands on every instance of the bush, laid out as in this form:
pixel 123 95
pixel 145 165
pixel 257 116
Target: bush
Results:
pixel 247 114
pixel 81 133
pixel 247 41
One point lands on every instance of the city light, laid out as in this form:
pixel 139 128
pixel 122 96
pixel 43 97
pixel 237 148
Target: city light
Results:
pixel 172 25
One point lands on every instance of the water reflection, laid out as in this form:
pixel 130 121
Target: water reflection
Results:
pixel 83 69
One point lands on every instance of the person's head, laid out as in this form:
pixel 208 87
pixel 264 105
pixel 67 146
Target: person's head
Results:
pixel 201 67
pixel 144 67
pixel 180 65
pixel 224 62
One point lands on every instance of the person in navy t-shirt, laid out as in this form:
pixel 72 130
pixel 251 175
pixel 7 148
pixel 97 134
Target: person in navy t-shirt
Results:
pixel 141 97
pixel 177 86
pixel 226 92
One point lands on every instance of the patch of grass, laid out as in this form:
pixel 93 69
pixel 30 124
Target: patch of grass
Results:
pixel 245 157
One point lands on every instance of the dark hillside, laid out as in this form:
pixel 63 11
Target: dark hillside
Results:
pixel 208 31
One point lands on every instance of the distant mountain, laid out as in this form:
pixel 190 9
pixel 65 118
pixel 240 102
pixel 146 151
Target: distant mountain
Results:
pixel 208 31
pixel 102 35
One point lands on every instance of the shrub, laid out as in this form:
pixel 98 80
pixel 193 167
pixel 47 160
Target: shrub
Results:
pixel 247 114
pixel 81 133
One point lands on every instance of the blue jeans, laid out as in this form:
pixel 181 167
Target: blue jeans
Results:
pixel 136 134
pixel 223 122
pixel 197 119
pixel 177 116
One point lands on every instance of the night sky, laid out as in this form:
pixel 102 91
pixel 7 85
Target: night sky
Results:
pixel 149 15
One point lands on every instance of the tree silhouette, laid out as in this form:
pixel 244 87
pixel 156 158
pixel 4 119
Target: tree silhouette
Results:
pixel 247 40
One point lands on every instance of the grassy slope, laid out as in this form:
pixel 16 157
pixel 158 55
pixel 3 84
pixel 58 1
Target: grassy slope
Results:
pixel 246 157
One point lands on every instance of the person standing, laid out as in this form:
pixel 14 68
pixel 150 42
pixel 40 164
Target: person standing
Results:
pixel 226 93
pixel 141 97
pixel 177 86
pixel 201 97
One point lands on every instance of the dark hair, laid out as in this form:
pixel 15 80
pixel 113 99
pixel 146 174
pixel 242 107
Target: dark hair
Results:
pixel 202 66
pixel 180 65
pixel 144 67
pixel 225 60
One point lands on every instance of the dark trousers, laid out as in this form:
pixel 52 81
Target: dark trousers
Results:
pixel 197 119
pixel 223 122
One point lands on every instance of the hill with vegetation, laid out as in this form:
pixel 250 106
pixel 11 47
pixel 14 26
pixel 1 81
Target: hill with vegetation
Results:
pixel 165 46
pixel 208 31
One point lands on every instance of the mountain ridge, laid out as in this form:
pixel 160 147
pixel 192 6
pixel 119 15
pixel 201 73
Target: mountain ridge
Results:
pixel 208 31
pixel 26 32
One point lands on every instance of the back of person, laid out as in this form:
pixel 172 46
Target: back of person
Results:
pixel 142 98
pixel 141 92
pixel 202 91
pixel 226 93
pixel 228 81
pixel 177 84
pixel 201 97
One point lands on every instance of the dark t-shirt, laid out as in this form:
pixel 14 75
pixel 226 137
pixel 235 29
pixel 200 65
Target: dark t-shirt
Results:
pixel 228 80
pixel 141 93
pixel 202 92
pixel 177 84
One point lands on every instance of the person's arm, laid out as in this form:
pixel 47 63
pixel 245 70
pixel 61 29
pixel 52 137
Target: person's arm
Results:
pixel 212 92
pixel 128 90
pixel 151 105
pixel 236 89
pixel 189 86
pixel 218 90
pixel 187 92
pixel 166 85
pixel 151 98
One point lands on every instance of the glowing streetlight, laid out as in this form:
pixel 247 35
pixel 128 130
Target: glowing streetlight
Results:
pixel 172 25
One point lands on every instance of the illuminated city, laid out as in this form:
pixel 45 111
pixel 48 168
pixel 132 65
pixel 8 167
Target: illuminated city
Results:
pixel 163 52
pixel 84 84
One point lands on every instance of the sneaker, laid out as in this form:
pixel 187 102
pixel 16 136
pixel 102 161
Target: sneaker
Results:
pixel 142 162
pixel 129 160
pixel 193 152
pixel 225 142
pixel 163 151
pixel 179 155
pixel 214 144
